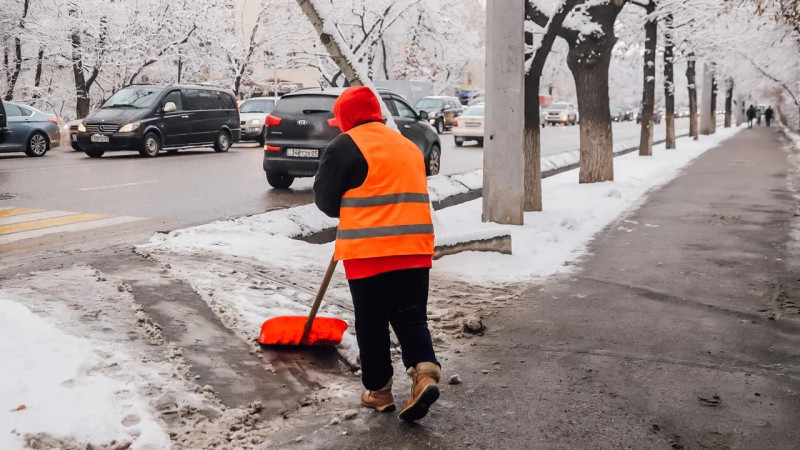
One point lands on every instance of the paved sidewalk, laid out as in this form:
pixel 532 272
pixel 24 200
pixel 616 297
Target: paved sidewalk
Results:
pixel 680 330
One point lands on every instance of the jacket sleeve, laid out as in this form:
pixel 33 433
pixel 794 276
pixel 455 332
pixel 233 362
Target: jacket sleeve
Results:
pixel 341 168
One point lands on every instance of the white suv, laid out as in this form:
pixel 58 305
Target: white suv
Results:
pixel 562 112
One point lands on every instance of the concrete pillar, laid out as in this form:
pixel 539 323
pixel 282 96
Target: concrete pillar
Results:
pixel 503 162
pixel 707 124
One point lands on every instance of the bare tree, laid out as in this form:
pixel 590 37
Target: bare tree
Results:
pixel 669 81
pixel 532 139
pixel 691 79
pixel 589 59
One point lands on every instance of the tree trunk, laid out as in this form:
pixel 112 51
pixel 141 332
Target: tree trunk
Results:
pixel 728 103
pixel 14 75
pixel 691 80
pixel 669 82
pixel 81 90
pixel 596 141
pixel 589 59
pixel 37 80
pixel 649 87
pixel 532 146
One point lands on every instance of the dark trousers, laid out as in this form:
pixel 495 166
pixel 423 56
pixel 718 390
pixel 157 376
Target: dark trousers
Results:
pixel 399 298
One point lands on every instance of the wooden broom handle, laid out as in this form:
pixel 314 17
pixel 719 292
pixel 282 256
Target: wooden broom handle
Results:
pixel 317 301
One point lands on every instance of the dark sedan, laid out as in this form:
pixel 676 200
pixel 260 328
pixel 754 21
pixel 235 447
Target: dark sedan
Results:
pixel 302 124
pixel 26 129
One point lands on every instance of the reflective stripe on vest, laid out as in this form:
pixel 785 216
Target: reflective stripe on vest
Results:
pixel 388 199
pixel 389 214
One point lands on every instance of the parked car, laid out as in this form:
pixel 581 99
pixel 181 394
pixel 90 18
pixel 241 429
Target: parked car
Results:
pixel 302 124
pixel 617 115
pixel 253 112
pixel 469 127
pixel 149 118
pixel 465 95
pixel 442 111
pixel 26 129
pixel 656 116
pixel 562 112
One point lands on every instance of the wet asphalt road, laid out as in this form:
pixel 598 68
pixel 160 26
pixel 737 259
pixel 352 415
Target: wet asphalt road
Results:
pixel 681 334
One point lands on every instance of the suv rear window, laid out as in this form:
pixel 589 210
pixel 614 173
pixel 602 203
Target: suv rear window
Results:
pixel 305 104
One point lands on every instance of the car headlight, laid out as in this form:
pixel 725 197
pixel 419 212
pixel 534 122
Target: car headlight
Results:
pixel 82 127
pixel 127 128
pixel 255 122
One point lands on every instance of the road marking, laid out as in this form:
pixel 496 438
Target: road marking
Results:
pixel 15 211
pixel 110 186
pixel 37 215
pixel 47 223
pixel 80 226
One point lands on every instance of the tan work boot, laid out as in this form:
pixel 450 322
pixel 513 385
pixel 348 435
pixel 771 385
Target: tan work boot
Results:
pixel 424 391
pixel 380 400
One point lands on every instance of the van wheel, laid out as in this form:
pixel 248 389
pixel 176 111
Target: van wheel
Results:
pixel 151 145
pixel 279 180
pixel 223 142
pixel 37 145
pixel 434 160
pixel 94 153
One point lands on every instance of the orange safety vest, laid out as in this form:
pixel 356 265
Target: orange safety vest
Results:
pixel 389 214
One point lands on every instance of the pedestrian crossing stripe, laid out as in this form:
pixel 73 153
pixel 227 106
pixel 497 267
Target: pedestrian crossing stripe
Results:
pixel 17 224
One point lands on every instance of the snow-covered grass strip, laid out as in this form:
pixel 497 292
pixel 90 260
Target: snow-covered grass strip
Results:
pixel 573 213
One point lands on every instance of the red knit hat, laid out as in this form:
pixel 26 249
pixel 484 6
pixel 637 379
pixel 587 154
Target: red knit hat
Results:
pixel 356 105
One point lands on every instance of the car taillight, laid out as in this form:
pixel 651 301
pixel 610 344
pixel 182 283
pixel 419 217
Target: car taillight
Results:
pixel 455 123
pixel 54 120
pixel 271 148
pixel 272 121
pixel 333 123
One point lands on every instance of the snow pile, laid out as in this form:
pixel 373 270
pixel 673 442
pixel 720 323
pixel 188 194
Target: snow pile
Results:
pixel 54 381
pixel 573 213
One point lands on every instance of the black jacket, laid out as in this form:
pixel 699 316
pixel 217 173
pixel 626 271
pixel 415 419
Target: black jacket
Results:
pixel 341 168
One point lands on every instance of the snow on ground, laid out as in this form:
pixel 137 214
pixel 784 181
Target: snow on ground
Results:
pixel 793 182
pixel 81 367
pixel 551 240
pixel 249 270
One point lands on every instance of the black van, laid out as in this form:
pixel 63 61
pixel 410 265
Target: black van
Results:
pixel 149 118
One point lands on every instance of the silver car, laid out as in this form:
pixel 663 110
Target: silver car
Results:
pixel 28 130
pixel 562 112
pixel 252 113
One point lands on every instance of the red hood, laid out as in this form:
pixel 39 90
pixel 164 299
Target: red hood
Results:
pixel 356 105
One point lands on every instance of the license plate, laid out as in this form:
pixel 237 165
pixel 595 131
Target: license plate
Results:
pixel 473 124
pixel 302 152
pixel 99 138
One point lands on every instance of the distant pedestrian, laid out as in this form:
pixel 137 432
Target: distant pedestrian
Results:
pixel 751 114
pixel 758 116
pixel 768 114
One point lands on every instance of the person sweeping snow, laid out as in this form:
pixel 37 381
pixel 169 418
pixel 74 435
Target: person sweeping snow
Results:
pixel 373 179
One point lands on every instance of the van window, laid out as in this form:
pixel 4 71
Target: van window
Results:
pixel 225 101
pixel 174 97
pixel 198 99
pixel 305 104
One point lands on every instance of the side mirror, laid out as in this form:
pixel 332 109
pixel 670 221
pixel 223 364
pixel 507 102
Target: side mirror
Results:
pixel 423 115
pixel 170 107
